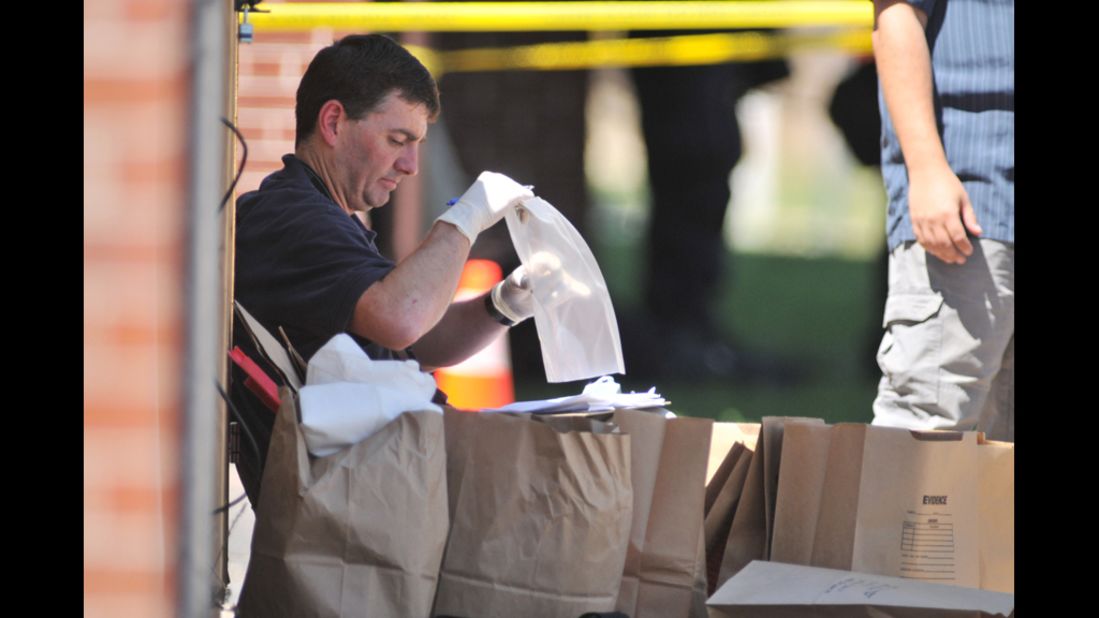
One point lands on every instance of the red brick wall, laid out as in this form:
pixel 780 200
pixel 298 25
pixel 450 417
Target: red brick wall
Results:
pixel 269 71
pixel 135 115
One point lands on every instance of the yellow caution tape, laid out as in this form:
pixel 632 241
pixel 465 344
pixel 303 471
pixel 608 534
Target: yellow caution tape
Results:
pixel 543 16
pixel 681 50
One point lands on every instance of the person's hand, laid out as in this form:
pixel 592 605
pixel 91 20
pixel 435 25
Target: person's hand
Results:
pixel 555 286
pixel 512 296
pixel 484 203
pixel 941 214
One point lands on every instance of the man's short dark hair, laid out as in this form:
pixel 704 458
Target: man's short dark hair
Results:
pixel 359 71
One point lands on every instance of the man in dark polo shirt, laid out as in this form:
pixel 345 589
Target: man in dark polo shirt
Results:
pixel 305 261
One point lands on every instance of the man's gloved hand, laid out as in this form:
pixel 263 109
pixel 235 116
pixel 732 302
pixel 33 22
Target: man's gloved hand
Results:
pixel 512 297
pixel 554 284
pixel 485 203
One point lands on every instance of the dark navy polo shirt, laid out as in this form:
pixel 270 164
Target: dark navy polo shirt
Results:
pixel 302 262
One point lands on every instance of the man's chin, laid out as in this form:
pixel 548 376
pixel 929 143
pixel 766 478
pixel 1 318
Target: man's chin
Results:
pixel 377 202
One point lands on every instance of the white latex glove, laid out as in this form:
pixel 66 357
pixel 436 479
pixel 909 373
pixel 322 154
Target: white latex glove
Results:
pixel 555 286
pixel 512 297
pixel 485 203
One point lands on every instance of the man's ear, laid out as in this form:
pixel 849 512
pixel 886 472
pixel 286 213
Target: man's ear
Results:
pixel 328 121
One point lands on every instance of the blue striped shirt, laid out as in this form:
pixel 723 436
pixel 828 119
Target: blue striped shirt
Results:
pixel 972 44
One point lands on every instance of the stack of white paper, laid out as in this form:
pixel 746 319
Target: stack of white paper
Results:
pixel 602 395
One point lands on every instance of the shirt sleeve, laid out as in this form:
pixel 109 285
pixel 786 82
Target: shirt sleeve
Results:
pixel 927 6
pixel 305 266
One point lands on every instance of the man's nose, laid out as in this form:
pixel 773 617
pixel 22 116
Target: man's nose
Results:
pixel 409 161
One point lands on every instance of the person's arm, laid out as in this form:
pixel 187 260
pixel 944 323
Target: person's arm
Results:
pixel 410 301
pixel 938 204
pixel 464 330
pixel 396 311
pixel 468 326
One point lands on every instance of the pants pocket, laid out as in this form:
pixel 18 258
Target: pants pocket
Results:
pixel 910 351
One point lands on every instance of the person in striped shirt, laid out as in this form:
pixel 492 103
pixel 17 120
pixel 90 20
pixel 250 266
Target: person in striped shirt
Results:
pixel 947 81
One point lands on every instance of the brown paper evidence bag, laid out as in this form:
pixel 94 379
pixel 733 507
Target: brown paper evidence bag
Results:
pixel 360 532
pixel 932 506
pixel 540 509
pixel 558 517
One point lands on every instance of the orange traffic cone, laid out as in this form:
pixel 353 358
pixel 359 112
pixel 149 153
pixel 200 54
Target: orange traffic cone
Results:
pixel 484 379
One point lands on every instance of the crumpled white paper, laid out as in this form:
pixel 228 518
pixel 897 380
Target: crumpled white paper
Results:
pixel 348 396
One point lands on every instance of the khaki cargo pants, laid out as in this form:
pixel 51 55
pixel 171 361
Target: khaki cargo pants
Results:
pixel 948 354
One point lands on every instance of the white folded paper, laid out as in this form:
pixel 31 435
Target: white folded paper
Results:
pixel 348 396
pixel 602 395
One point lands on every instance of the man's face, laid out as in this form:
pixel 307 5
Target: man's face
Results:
pixel 375 152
